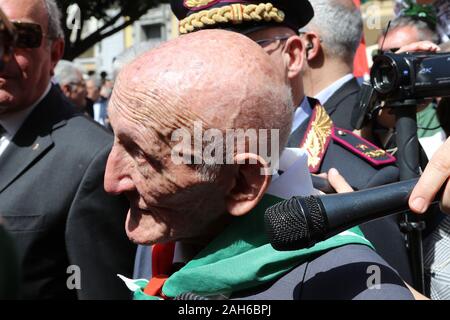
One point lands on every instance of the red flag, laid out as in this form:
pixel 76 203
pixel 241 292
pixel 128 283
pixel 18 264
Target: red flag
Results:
pixel 360 64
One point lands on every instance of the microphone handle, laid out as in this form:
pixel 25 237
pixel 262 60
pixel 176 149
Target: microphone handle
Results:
pixel 352 209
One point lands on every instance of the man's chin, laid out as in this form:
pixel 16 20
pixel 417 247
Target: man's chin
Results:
pixel 141 229
pixel 139 238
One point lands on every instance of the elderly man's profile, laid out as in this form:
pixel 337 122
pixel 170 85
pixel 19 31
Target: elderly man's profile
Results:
pixel 204 220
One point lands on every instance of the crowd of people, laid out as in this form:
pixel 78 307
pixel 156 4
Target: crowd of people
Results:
pixel 108 186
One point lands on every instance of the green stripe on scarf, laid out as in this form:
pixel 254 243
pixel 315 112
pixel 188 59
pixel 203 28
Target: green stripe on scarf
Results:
pixel 242 258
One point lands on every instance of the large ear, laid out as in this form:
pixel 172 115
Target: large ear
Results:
pixel 312 45
pixel 294 56
pixel 57 52
pixel 66 89
pixel 250 184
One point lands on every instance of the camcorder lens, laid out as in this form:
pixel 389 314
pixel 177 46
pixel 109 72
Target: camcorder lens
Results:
pixel 384 77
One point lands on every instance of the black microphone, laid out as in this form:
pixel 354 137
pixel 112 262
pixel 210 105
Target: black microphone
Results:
pixel 301 222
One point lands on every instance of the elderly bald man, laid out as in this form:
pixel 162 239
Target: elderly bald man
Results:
pixel 275 27
pixel 214 210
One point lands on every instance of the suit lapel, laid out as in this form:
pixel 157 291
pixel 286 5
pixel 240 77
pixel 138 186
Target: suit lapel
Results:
pixel 334 101
pixel 18 158
pixel 30 143
pixel 297 136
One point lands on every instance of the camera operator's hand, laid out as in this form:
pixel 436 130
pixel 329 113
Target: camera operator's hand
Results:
pixel 419 46
pixel 433 178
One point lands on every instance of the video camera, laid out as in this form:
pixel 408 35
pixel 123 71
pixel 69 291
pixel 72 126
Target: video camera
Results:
pixel 8 37
pixel 400 77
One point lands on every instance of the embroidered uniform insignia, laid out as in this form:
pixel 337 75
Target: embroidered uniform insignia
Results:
pixel 363 148
pixel 317 137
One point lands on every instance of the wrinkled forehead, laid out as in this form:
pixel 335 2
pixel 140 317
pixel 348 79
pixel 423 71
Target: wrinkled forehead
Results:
pixel 400 37
pixel 151 107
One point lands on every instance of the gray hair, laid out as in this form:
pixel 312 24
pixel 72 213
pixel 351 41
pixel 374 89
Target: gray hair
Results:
pixel 67 72
pixel 96 80
pixel 55 29
pixel 424 31
pixel 339 25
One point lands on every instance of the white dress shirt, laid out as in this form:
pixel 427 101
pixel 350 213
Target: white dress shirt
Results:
pixel 12 122
pixel 326 93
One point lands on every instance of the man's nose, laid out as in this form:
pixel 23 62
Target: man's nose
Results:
pixel 117 178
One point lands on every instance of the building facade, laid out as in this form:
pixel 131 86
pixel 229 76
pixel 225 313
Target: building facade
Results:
pixel 157 24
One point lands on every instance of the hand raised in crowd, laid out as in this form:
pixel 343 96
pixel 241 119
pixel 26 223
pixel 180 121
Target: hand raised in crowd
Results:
pixel 419 46
pixel 433 178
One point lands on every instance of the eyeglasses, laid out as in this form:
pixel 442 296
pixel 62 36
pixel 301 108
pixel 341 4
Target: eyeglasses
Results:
pixel 29 35
pixel 80 84
pixel 263 42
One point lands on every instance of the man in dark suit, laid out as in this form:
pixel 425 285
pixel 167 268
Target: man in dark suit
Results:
pixel 68 231
pixel 340 104
pixel 331 40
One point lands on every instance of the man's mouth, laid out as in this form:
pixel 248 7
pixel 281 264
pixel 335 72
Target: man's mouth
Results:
pixel 139 210
pixel 146 210
pixel 138 205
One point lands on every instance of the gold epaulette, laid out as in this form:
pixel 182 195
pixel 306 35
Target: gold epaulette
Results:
pixel 363 148
pixel 317 137
pixel 321 131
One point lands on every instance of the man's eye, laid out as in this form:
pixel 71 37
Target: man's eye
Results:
pixel 142 158
pixel 138 154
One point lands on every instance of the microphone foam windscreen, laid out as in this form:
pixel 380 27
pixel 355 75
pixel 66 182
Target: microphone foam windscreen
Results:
pixel 286 225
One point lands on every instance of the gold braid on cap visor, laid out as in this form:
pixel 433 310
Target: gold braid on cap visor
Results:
pixel 235 13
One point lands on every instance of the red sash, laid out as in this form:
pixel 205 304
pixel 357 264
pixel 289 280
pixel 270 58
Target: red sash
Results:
pixel 162 258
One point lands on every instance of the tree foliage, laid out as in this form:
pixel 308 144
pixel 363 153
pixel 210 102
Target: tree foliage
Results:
pixel 131 10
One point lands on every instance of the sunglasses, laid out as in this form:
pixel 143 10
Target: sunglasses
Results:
pixel 29 35
pixel 7 39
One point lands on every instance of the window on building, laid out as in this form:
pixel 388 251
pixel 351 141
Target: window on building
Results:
pixel 152 31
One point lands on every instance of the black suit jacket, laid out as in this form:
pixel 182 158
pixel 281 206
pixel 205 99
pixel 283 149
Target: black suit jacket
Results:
pixel 9 268
pixel 54 205
pixel 338 274
pixel 340 105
